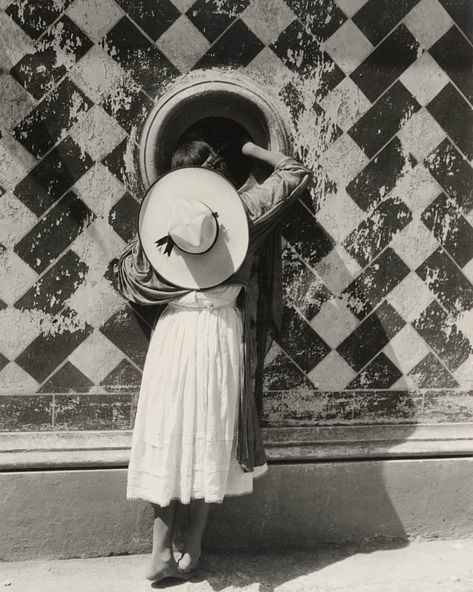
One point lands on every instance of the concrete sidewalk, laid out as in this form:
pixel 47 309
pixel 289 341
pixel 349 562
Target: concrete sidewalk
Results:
pixel 438 566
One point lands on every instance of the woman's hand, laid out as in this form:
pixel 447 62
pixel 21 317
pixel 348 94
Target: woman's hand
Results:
pixel 270 157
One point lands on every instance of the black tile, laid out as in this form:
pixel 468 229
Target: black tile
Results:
pixel 25 413
pixel 453 173
pixel 56 113
pixel 327 133
pixel 322 19
pixel 92 412
pixel 300 341
pixel 455 115
pixel 365 292
pixel 300 51
pixel 448 342
pixel 430 373
pixel 236 47
pixel 49 350
pixel 293 100
pixel 124 330
pixel 3 361
pixel 128 105
pixel 386 63
pixel 137 55
pixel 380 373
pixel 124 377
pixel 377 17
pixel 447 282
pixel 2 305
pixel 384 119
pixel 52 290
pixel 52 57
pixel 370 336
pixel 377 230
pixel 118 163
pixel 302 288
pixel 211 20
pixel 66 380
pixel 153 17
pixel 35 17
pixel 450 228
pixel 123 217
pixel 306 235
pixel 379 176
pixel 455 55
pixel 462 14
pixel 54 232
pixel 283 375
pixel 53 176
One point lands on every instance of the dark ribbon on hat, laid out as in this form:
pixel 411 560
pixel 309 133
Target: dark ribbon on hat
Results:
pixel 169 242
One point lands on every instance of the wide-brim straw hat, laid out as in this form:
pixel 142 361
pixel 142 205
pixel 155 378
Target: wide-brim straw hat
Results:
pixel 193 228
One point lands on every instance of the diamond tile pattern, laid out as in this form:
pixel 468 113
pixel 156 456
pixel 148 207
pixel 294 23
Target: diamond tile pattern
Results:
pixel 378 255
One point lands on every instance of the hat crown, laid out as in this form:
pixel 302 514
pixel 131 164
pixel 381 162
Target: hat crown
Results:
pixel 192 225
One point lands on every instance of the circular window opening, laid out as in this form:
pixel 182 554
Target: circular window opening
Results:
pixel 226 136
pixel 224 111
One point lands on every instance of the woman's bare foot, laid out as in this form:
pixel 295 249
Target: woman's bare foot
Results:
pixel 189 560
pixel 162 566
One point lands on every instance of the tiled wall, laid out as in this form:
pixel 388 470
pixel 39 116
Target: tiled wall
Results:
pixel 378 261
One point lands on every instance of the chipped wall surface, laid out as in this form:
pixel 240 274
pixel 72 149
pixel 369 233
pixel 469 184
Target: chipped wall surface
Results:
pixel 378 255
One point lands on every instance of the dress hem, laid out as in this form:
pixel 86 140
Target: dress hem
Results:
pixel 134 497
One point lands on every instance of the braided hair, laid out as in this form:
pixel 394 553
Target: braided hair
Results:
pixel 198 153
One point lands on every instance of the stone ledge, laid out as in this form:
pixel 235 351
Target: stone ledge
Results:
pixel 49 449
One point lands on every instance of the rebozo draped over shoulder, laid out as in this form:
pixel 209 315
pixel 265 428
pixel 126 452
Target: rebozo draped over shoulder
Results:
pixel 260 275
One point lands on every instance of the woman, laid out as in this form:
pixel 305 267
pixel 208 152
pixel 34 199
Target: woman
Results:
pixel 196 437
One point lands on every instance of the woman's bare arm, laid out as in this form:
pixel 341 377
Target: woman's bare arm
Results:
pixel 270 157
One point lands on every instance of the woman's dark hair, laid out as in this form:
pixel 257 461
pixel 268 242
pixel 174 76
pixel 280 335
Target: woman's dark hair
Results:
pixel 198 153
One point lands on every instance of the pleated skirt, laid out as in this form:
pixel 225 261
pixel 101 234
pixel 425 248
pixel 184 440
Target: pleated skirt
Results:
pixel 184 436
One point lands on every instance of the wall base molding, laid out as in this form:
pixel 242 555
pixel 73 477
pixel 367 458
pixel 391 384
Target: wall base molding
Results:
pixel 89 449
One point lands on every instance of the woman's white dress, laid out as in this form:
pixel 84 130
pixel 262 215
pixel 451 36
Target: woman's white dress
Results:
pixel 184 437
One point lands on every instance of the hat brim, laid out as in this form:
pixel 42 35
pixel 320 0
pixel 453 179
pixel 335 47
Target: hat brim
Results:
pixel 186 270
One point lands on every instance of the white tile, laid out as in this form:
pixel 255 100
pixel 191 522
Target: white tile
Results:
pixel 464 373
pixel 351 7
pixel 421 134
pixel 268 69
pixel 424 78
pixel 183 5
pixel 267 18
pixel 94 17
pixel 99 190
pixel 417 189
pixel 337 269
pixel 97 74
pixel 16 219
pixel 15 42
pixel 15 276
pixel 15 381
pixel 96 357
pixel 95 300
pixel 97 133
pixel 15 161
pixel 406 348
pixel 345 104
pixel 343 160
pixel 339 214
pixel 18 329
pixel 414 243
pixel 348 47
pixel 410 297
pixel 332 374
pixel 334 322
pixel 468 270
pixel 428 21
pixel 183 44
pixel 16 102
